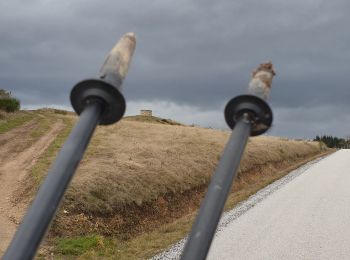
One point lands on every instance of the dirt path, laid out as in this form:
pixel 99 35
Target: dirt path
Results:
pixel 14 166
pixel 10 143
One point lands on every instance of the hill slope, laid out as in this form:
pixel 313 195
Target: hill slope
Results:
pixel 151 119
pixel 138 176
pixel 24 137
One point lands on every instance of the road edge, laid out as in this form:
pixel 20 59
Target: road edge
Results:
pixel 174 251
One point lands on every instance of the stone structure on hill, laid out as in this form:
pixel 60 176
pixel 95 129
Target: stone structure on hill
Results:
pixel 145 112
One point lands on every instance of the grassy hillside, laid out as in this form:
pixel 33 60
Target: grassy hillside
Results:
pixel 151 119
pixel 133 163
pixel 139 185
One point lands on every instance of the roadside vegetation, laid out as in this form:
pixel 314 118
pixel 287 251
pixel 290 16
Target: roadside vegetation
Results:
pixel 333 141
pixel 139 186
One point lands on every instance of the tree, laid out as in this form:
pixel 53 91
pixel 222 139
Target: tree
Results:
pixel 332 141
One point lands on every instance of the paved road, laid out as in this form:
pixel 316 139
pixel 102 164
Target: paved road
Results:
pixel 308 218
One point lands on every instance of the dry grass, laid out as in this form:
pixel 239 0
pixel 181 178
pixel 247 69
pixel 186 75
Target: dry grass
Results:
pixel 138 180
pixel 137 176
pixel 133 163
pixel 9 121
pixel 140 184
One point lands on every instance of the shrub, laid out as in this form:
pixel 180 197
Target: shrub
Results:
pixel 9 104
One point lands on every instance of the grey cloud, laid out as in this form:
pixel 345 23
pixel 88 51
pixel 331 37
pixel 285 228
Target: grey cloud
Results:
pixel 192 53
pixel 304 122
pixel 300 122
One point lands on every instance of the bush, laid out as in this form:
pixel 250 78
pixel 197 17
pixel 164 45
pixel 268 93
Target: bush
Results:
pixel 9 104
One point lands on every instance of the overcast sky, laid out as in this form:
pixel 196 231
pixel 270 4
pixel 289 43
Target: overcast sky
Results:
pixel 191 57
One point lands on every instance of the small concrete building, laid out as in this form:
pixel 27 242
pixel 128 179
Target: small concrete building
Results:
pixel 144 112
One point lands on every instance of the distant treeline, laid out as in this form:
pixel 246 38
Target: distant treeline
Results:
pixel 333 141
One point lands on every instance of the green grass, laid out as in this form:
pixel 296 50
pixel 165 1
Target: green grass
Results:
pixel 79 245
pixel 143 246
pixel 140 247
pixel 15 121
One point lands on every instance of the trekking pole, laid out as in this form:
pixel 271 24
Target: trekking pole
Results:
pixel 97 101
pixel 248 115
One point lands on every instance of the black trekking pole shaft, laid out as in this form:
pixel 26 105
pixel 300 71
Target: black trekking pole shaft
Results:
pixel 41 212
pixel 214 201
pixel 97 101
pixel 248 115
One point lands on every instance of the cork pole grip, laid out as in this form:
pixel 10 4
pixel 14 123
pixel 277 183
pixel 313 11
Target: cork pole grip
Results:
pixel 118 60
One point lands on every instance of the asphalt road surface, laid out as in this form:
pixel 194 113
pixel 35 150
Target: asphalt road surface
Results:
pixel 308 218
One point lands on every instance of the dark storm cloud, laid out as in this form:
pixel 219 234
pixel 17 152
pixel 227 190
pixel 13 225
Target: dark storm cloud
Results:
pixel 190 53
pixel 306 122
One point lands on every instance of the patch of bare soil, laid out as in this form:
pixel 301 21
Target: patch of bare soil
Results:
pixel 16 159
